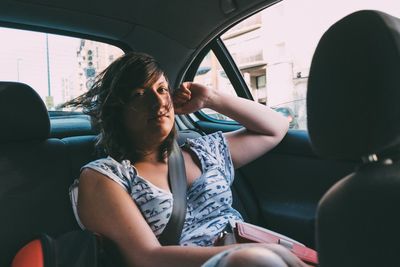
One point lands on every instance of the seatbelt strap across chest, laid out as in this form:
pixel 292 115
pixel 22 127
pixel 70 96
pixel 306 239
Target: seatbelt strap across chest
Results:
pixel 178 183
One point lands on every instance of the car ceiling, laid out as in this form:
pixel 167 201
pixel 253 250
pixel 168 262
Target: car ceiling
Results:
pixel 180 27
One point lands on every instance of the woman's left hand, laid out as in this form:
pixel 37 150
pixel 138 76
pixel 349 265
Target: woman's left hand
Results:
pixel 190 97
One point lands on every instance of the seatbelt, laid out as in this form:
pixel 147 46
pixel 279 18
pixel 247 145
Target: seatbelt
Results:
pixel 178 183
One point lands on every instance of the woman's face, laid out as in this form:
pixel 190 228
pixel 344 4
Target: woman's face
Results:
pixel 149 115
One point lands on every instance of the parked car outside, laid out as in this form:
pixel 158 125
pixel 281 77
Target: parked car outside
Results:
pixel 290 115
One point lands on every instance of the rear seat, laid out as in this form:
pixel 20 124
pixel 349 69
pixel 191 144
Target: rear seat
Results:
pixel 36 171
pixel 81 150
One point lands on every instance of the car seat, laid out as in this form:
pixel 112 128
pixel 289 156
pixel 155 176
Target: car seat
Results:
pixel 353 114
pixel 34 172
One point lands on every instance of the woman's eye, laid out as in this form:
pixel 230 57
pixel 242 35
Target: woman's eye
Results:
pixel 164 89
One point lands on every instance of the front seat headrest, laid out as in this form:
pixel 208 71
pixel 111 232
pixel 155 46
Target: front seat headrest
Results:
pixel 353 92
pixel 23 115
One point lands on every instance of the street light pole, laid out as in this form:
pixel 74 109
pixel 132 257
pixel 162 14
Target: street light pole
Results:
pixel 49 98
pixel 18 60
pixel 48 66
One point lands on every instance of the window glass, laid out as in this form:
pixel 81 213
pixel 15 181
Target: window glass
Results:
pixel 211 74
pixel 273 49
pixel 59 68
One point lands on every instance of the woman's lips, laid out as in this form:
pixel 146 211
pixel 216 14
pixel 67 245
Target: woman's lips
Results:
pixel 159 117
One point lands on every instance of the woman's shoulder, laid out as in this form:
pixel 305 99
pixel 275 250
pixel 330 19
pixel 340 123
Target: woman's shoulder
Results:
pixel 121 172
pixel 108 164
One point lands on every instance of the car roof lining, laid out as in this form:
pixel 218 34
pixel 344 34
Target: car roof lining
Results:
pixel 110 21
pixel 138 26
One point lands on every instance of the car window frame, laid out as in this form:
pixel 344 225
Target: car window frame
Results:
pixel 232 72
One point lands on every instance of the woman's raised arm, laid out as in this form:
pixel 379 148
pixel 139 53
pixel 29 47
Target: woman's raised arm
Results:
pixel 264 128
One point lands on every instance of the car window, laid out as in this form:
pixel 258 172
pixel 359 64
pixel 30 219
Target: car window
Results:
pixel 274 47
pixel 211 74
pixel 59 68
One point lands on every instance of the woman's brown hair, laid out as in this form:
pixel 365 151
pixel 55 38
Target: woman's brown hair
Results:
pixel 108 97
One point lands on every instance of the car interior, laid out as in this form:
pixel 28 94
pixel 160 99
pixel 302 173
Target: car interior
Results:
pixel 332 187
pixel 353 217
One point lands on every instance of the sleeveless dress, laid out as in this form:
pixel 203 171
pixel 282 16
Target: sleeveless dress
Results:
pixel 209 198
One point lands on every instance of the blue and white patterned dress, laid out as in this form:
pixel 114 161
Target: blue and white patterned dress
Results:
pixel 209 198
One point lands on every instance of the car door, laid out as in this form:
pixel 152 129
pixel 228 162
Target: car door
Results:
pixel 281 189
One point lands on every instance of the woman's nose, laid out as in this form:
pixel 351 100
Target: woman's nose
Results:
pixel 157 100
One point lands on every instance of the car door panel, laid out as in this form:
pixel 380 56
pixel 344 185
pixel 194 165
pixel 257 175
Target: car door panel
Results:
pixel 285 185
pixel 288 188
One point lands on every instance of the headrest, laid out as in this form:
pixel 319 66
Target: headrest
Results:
pixel 353 98
pixel 23 115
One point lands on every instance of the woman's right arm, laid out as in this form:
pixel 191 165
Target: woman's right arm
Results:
pixel 105 208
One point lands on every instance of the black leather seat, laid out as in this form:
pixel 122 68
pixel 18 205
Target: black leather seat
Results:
pixel 353 114
pixel 34 172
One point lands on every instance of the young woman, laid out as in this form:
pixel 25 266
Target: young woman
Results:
pixel 126 196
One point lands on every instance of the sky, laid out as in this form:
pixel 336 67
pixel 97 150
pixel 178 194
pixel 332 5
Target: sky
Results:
pixel 305 21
